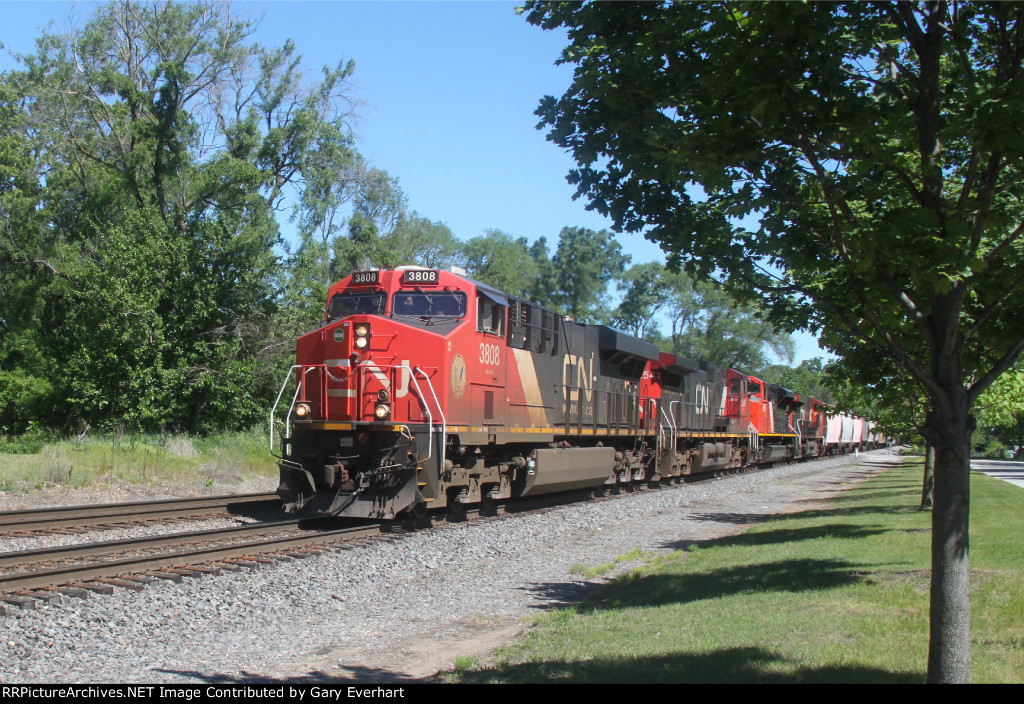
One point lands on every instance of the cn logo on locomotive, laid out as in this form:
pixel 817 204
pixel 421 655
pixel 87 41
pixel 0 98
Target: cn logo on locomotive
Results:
pixel 703 400
pixel 384 381
pixel 576 376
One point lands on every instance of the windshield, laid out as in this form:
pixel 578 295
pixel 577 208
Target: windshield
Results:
pixel 346 304
pixel 443 304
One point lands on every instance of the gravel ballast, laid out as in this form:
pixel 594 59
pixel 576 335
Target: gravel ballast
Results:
pixel 391 610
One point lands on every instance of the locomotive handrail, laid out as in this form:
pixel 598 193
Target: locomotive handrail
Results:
pixel 632 414
pixel 670 416
pixel 298 386
pixel 670 447
pixel 440 412
pixel 423 401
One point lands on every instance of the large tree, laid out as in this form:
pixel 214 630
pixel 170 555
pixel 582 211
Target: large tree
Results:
pixel 501 260
pixel 878 146
pixel 705 322
pixel 585 262
pixel 140 245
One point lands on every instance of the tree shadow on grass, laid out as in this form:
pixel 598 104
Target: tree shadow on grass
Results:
pixel 847 531
pixel 902 492
pixel 734 518
pixel 802 575
pixel 730 665
pixel 841 511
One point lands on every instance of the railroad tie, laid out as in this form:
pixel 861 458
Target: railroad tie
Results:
pixel 19 602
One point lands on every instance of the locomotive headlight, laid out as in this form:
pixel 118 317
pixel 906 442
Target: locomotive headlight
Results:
pixel 302 410
pixel 382 395
pixel 362 333
pixel 381 411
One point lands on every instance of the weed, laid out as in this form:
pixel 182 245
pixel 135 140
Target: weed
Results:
pixel 591 572
pixel 466 662
pixel 634 555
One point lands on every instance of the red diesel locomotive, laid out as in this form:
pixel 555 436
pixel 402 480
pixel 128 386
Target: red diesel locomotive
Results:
pixel 424 388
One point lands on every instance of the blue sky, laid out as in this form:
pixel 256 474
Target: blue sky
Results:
pixel 448 91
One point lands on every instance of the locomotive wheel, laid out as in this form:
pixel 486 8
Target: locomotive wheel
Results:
pixel 456 509
pixel 418 509
pixel 486 499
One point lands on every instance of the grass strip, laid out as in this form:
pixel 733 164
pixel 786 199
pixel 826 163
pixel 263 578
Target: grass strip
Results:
pixel 838 594
pixel 116 459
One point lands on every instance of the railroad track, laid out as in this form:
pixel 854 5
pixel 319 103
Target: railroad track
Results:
pixel 76 570
pixel 134 562
pixel 32 520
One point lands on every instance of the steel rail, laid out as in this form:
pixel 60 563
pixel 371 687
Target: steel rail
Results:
pixel 141 564
pixel 82 550
pixel 65 516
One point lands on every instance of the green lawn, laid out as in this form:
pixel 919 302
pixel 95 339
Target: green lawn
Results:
pixel 832 595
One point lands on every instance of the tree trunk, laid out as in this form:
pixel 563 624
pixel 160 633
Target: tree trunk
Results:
pixel 928 484
pixel 949 430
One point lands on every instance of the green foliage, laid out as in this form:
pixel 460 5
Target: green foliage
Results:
pixel 498 259
pixel 648 292
pixel 585 263
pixel 808 378
pixel 1003 403
pixel 878 147
pixel 706 323
pixel 1000 413
pixel 544 289
pixel 138 271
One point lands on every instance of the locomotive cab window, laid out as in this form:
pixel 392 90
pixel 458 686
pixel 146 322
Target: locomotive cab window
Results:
pixel 435 304
pixel 346 304
pixel 490 316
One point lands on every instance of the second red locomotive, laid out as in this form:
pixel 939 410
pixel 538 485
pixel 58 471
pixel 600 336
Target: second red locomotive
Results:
pixel 424 388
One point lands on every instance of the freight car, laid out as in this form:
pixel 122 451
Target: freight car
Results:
pixel 424 388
